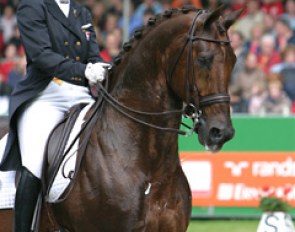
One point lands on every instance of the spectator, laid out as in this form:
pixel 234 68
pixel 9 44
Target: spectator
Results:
pixel 227 10
pixel 288 60
pixel 268 56
pixel 89 4
pixel 269 22
pixel 99 37
pixel 5 90
pixel 237 43
pixel 9 62
pixel 253 45
pixel 258 96
pixel 147 15
pixel 287 70
pixel 136 3
pixel 134 22
pixel 210 4
pixel 167 4
pixel 112 45
pixel 253 17
pixel 238 4
pixel 289 14
pixel 238 104
pixel 284 33
pixel 116 7
pixel 277 102
pixel 153 4
pixel 14 3
pixel 249 77
pixel 110 25
pixel 98 15
pixel 272 7
pixel 3 3
pixel 8 23
pixel 15 39
pixel 181 3
pixel 18 73
pixel 274 76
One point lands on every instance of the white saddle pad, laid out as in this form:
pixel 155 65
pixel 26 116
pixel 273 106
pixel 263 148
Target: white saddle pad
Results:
pixel 7 182
pixel 7 189
pixel 67 168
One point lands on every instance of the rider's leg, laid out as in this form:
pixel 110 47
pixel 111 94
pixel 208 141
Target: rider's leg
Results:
pixel 25 200
pixel 34 126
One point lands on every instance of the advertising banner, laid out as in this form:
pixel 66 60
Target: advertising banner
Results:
pixel 239 179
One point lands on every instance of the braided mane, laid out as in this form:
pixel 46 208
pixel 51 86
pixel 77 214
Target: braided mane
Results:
pixel 140 32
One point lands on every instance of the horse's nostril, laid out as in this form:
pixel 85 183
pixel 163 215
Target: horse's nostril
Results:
pixel 215 133
pixel 218 135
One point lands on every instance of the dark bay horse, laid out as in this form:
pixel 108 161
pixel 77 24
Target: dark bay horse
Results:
pixel 130 178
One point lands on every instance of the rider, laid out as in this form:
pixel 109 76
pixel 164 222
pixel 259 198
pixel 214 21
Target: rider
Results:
pixel 62 60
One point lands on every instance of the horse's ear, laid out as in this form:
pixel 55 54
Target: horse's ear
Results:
pixel 213 16
pixel 232 17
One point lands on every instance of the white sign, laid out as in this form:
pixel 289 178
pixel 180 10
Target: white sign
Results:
pixel 276 222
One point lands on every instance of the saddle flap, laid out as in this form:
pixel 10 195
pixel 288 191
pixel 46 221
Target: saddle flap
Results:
pixel 57 143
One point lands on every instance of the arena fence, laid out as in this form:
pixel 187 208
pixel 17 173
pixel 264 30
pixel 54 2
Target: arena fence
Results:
pixel 260 160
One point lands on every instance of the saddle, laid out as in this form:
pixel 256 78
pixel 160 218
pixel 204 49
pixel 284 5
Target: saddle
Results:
pixel 56 144
pixel 61 141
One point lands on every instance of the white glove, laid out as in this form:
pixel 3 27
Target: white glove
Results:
pixel 96 72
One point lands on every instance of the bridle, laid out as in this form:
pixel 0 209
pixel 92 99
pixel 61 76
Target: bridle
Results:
pixel 203 101
pixel 190 111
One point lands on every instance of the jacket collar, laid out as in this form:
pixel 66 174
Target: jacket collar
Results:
pixel 71 21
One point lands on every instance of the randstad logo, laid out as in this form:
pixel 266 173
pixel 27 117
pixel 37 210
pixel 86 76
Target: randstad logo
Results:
pixel 274 168
pixel 263 168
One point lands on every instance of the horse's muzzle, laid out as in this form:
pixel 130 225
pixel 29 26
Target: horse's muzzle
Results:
pixel 213 136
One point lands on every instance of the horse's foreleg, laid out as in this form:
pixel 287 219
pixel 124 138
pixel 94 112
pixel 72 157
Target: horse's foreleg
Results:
pixel 170 207
pixel 6 220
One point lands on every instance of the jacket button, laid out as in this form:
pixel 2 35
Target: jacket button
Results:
pixel 78 43
pixel 66 43
pixel 77 58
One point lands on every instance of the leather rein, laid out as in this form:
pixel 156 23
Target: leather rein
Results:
pixel 190 110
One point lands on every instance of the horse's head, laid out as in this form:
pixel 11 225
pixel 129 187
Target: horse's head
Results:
pixel 203 62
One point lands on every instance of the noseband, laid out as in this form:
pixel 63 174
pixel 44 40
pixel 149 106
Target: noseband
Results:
pixel 194 111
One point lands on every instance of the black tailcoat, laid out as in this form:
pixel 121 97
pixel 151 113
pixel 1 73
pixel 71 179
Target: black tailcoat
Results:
pixel 55 46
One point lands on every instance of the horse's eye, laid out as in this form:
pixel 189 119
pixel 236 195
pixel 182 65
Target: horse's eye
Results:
pixel 205 61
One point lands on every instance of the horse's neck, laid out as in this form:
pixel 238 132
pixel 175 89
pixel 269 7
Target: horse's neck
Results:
pixel 147 92
pixel 140 82
pixel 146 97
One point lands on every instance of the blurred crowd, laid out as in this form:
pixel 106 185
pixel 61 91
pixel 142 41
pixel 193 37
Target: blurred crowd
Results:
pixel 263 39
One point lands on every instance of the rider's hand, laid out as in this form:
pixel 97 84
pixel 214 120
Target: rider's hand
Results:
pixel 96 72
